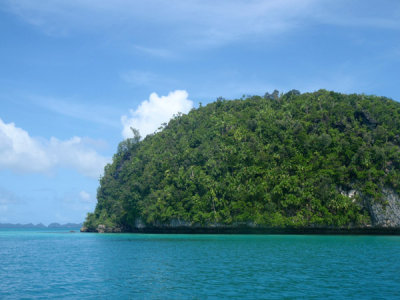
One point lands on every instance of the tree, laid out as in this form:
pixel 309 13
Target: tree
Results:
pixel 273 96
pixel 274 163
pixel 136 135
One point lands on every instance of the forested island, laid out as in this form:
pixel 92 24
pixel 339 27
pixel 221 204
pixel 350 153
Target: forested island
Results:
pixel 311 162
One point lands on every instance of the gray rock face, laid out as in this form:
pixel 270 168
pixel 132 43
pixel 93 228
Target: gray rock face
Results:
pixel 139 224
pixel 386 215
pixel 179 223
pixel 101 228
pixel 104 229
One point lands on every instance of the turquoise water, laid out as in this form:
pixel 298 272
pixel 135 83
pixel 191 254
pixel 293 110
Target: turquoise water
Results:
pixel 58 264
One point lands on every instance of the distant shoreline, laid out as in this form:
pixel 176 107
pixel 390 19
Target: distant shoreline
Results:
pixel 40 225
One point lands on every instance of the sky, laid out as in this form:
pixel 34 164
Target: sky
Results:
pixel 75 75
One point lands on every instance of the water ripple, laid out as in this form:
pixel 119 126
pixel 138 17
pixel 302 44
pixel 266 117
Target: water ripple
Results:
pixel 43 265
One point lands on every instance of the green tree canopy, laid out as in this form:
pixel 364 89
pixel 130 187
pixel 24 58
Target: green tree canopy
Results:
pixel 279 160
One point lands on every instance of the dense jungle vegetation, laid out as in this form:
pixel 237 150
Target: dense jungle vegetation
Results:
pixel 279 160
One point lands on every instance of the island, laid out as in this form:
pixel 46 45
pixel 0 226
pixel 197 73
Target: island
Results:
pixel 41 226
pixel 321 162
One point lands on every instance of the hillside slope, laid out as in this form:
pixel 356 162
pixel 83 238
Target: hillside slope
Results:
pixel 313 160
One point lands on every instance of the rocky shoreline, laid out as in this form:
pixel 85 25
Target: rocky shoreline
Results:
pixel 385 217
pixel 252 230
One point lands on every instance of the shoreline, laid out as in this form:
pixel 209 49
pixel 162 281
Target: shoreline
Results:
pixel 260 230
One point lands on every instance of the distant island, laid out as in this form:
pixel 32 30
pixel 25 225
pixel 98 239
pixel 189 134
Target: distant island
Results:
pixel 40 225
pixel 312 162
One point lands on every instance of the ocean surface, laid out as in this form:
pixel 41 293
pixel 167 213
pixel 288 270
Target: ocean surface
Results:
pixel 58 264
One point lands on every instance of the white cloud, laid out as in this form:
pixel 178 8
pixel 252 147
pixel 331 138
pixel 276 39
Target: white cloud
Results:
pixel 74 153
pixel 20 152
pixel 153 112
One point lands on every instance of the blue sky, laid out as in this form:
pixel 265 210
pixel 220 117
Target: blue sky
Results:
pixel 76 74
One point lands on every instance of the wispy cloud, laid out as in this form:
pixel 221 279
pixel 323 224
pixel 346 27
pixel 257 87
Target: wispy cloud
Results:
pixel 205 22
pixel 195 23
pixel 359 13
pixel 86 197
pixel 22 153
pixel 139 78
pixel 71 108
pixel 146 78
pixel 158 52
pixel 8 199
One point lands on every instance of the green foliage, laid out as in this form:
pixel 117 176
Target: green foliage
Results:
pixel 277 160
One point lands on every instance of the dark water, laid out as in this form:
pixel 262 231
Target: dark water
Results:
pixel 59 264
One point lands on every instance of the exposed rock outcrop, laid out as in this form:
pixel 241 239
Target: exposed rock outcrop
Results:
pixel 386 214
pixel 101 228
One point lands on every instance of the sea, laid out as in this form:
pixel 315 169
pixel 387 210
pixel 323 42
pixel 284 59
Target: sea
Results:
pixel 65 264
